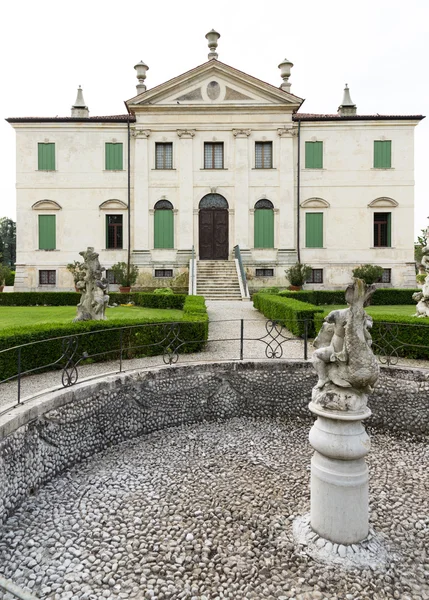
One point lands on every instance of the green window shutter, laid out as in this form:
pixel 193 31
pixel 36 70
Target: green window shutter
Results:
pixel 47 235
pixel 314 155
pixel 382 154
pixel 114 157
pixel 314 230
pixel 264 228
pixel 164 229
pixel 389 230
pixel 46 157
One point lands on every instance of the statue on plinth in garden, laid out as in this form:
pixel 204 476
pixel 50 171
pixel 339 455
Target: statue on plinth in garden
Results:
pixel 422 298
pixel 344 362
pixel 93 288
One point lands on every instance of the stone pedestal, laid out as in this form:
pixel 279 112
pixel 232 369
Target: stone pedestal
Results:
pixel 339 475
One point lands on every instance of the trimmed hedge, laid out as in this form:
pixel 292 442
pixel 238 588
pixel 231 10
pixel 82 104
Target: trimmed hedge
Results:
pixel 145 339
pixel 381 297
pixel 396 334
pixel 72 299
pixel 289 312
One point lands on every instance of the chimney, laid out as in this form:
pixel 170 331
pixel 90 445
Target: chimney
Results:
pixel 347 107
pixel 79 108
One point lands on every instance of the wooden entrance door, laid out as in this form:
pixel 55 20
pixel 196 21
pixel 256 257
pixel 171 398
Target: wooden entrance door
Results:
pixel 213 234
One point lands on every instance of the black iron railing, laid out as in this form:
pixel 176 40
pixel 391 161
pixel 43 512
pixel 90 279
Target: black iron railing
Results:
pixel 237 255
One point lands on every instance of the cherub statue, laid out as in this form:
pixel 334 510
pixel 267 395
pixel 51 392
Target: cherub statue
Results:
pixel 422 298
pixel 93 287
pixel 344 361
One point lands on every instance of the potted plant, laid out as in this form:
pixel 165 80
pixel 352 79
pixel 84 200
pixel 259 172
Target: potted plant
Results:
pixel 4 274
pixel 297 275
pixel 77 271
pixel 125 275
pixel 369 273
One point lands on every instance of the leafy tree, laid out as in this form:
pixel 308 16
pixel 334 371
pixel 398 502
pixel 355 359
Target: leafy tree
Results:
pixel 422 241
pixel 369 273
pixel 8 242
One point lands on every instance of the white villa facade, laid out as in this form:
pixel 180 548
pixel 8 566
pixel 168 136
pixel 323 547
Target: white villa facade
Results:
pixel 209 160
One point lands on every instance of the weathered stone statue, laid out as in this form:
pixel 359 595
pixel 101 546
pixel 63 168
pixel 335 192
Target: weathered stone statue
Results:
pixel 344 361
pixel 347 371
pixel 93 287
pixel 422 298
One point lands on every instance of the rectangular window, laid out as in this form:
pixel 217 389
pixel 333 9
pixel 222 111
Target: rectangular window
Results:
pixel 114 232
pixel 314 230
pixel 46 157
pixel 163 156
pixel 316 276
pixel 264 273
pixel 382 230
pixel 163 272
pixel 47 234
pixel 387 276
pixel 110 276
pixel 314 155
pixel 213 155
pixel 114 157
pixel 382 154
pixel 47 277
pixel 263 155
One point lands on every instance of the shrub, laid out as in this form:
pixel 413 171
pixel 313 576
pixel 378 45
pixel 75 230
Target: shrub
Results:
pixel 77 270
pixel 298 274
pixel 268 290
pixel 369 273
pixel 290 313
pixel 10 279
pixel 4 274
pixel 104 338
pixel 125 278
pixel 166 290
pixel 381 296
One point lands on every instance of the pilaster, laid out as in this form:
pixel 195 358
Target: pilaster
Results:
pixel 185 230
pixel 241 188
pixel 141 188
pixel 287 215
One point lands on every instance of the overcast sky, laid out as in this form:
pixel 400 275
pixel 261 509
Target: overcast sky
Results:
pixel 49 47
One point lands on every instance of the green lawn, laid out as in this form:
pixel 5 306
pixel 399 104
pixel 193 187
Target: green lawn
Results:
pixel 20 316
pixel 405 310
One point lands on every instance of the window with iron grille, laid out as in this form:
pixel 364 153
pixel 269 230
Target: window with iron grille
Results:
pixel 263 155
pixel 164 155
pixel 47 277
pixel 382 230
pixel 114 232
pixel 316 276
pixel 264 272
pixel 387 276
pixel 213 155
pixel 163 272
pixel 110 276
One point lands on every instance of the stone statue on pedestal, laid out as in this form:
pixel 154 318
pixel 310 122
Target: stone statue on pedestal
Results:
pixel 93 288
pixel 422 298
pixel 347 371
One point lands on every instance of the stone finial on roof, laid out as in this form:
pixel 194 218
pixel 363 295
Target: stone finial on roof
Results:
pixel 141 69
pixel 285 67
pixel 212 38
pixel 79 108
pixel 347 107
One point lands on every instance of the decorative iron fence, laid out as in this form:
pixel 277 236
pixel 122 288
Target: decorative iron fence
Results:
pixel 72 354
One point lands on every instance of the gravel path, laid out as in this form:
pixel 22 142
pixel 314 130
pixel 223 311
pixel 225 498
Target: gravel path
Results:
pixel 205 512
pixel 224 324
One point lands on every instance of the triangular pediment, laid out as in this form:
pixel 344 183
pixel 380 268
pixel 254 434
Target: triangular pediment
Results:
pixel 216 84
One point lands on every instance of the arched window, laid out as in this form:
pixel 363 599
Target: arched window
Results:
pixel 264 224
pixel 164 225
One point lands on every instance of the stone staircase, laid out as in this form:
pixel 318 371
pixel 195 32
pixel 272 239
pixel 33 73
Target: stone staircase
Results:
pixel 218 280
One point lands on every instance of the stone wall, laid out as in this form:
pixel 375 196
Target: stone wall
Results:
pixel 50 434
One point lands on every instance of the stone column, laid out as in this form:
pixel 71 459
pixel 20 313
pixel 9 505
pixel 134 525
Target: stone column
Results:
pixel 140 214
pixel 287 214
pixel 339 476
pixel 241 233
pixel 186 191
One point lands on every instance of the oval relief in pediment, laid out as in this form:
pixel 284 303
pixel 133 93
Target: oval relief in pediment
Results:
pixel 213 90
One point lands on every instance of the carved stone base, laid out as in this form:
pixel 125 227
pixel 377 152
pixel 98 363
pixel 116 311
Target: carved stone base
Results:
pixel 332 397
pixel 339 476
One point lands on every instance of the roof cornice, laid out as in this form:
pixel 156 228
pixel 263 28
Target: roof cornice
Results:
pixel 339 118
